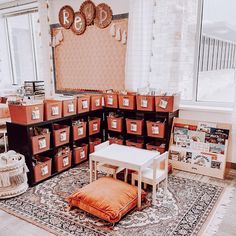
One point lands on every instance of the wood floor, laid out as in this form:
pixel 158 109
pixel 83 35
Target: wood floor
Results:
pixel 13 226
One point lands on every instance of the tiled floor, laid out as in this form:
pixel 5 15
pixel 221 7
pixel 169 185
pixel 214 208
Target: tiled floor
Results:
pixel 13 226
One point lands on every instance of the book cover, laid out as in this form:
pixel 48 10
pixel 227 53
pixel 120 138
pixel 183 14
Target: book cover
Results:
pixel 205 126
pixel 202 159
pixel 217 148
pixel 217 135
pixel 196 136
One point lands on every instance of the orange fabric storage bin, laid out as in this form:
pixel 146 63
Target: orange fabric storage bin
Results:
pixel 127 101
pixel 135 143
pixel 111 100
pixel 145 103
pixel 69 107
pixel 40 143
pixel 53 109
pixel 167 103
pixel 96 102
pixel 92 143
pixel 155 146
pixel 26 114
pixel 43 169
pixel 115 140
pixel 155 129
pixel 83 103
pixel 79 131
pixel 94 125
pixel 80 153
pixel 62 162
pixel 115 123
pixel 4 111
pixel 61 134
pixel 134 126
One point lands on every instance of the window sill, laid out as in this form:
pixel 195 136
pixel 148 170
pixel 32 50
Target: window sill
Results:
pixel 206 109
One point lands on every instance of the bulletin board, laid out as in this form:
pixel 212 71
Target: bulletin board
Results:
pixel 200 147
pixel 94 60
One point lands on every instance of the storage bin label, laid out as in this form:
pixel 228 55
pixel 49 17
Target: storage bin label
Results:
pixel 82 154
pixel 133 127
pixel 163 103
pixel 125 102
pixel 114 124
pixel 44 170
pixel 110 100
pixel 35 115
pixel 71 107
pixel 97 102
pixel 84 104
pixel 42 143
pixel 55 111
pixel 144 103
pixel 80 131
pixel 65 161
pixel 95 126
pixel 63 136
pixel 155 129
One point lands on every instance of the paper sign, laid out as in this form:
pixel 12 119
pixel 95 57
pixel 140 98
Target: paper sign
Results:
pixel 80 131
pixel 126 102
pixel 95 127
pixel 55 111
pixel 65 161
pixel 42 143
pixel 133 127
pixel 144 103
pixel 114 124
pixel 35 115
pixel 97 102
pixel 71 107
pixel 44 170
pixel 84 104
pixel 163 104
pixel 82 154
pixel 110 100
pixel 155 130
pixel 63 136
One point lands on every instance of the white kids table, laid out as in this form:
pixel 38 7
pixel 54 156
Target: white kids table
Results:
pixel 123 156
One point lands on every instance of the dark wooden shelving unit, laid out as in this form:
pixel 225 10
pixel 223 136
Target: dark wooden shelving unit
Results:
pixel 19 139
pixel 145 115
pixel 19 136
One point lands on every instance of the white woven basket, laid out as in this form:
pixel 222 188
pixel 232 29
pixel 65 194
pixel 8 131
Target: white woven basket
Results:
pixel 13 177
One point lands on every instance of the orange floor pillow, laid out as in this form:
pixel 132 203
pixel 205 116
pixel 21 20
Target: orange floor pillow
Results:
pixel 107 198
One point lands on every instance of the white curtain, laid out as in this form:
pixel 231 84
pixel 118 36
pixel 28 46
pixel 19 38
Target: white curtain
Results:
pixel 161 45
pixel 139 45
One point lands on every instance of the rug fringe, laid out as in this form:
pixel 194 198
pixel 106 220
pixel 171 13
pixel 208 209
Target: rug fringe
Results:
pixel 220 211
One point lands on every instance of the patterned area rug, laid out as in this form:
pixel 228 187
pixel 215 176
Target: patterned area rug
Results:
pixel 182 211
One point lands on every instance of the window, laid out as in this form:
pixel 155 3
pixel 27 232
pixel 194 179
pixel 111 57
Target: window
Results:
pixel 216 56
pixel 22 32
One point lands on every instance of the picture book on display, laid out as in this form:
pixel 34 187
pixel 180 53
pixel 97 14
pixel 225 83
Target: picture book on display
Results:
pixel 199 144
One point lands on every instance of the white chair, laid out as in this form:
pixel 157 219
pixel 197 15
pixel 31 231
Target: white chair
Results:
pixel 154 174
pixel 108 169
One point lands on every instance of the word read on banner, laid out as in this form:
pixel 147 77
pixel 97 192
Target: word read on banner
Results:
pixel 88 14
